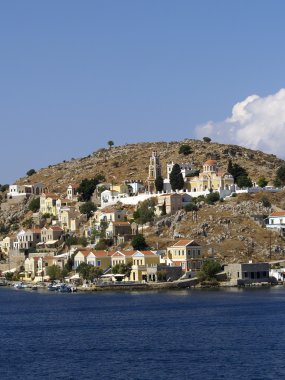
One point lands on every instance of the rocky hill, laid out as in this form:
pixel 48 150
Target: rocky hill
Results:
pixel 226 229
pixel 131 162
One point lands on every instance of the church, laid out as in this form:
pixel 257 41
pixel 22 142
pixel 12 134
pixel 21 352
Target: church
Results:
pixel 210 178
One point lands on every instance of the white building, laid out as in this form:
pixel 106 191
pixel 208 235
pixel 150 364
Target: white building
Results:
pixel 276 221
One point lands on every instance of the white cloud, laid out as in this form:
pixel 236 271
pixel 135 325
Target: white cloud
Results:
pixel 257 123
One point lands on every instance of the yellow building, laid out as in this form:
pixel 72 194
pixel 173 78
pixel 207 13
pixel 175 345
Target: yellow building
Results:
pixel 141 261
pixel 187 254
pixel 48 204
pixel 210 178
pixel 122 257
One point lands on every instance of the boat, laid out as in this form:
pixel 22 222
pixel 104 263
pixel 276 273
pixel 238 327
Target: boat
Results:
pixel 20 285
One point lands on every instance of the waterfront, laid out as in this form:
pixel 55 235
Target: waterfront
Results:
pixel 186 334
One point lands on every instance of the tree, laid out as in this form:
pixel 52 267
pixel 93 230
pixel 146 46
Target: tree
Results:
pixel 207 139
pixel 54 272
pixel 262 181
pixel 185 149
pixel 87 187
pixel 159 183
pixel 110 143
pixel 210 269
pixel 230 167
pixel 191 207
pixel 144 212
pixel 163 209
pixel 31 172
pixel 88 208
pixel 139 243
pixel 265 202
pixel 34 205
pixel 280 174
pixel 244 181
pixel 122 269
pixel 176 178
pixel 212 198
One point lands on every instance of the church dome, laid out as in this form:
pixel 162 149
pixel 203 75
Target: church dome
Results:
pixel 211 162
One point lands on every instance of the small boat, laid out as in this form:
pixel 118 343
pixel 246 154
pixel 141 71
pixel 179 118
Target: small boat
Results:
pixel 20 285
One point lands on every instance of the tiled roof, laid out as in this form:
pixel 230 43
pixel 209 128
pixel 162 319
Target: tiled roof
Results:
pixel 184 242
pixel 210 162
pixel 278 213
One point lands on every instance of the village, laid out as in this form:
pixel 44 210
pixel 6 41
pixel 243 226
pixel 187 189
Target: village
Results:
pixel 99 239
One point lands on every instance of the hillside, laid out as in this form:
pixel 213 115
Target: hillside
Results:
pixel 226 229
pixel 131 162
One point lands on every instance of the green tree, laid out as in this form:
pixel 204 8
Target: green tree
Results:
pixel 144 212
pixel 212 198
pixel 210 269
pixel 280 175
pixel 31 172
pixel 159 183
pixel 54 272
pixel 88 208
pixel 122 269
pixel 265 202
pixel 191 207
pixel 139 243
pixel 185 149
pixel 244 181
pixel 207 139
pixel 163 209
pixel 262 181
pixel 87 187
pixel 176 178
pixel 110 143
pixel 34 205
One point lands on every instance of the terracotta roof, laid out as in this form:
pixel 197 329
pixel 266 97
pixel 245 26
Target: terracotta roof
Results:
pixel 56 228
pixel 277 213
pixel 184 242
pixel 50 195
pixel 210 162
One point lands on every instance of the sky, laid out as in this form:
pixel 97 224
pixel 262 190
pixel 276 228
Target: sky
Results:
pixel 76 74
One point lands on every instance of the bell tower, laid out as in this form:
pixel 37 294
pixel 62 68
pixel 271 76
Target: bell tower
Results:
pixel 154 171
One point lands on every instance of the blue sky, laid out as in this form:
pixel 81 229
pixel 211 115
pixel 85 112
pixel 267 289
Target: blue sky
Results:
pixel 75 74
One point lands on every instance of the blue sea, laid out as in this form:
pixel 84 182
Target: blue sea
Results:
pixel 186 334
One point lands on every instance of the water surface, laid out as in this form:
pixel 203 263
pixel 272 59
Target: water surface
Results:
pixel 208 334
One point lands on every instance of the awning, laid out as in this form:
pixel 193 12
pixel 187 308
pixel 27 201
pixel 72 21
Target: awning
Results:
pixel 51 242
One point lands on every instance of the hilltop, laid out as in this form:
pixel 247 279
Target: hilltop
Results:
pixel 131 162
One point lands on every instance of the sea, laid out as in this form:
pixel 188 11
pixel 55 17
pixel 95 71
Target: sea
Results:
pixel 185 334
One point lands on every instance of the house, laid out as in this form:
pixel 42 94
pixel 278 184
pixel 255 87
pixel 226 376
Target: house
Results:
pixel 25 190
pixel 210 178
pixel 187 254
pixel 51 234
pixel 142 260
pixel 111 197
pixel 119 232
pixel 68 218
pixel 90 256
pixel 106 215
pixel 101 259
pixel 170 203
pixel 48 204
pixel 122 257
pixel 247 273
pixel 276 221
pixel 7 243
pixel 27 238
pixel 137 187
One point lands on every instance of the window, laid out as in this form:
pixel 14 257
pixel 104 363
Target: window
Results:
pixel 258 274
pixel 245 274
pixel 251 274
pixel 237 274
pixel 98 263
